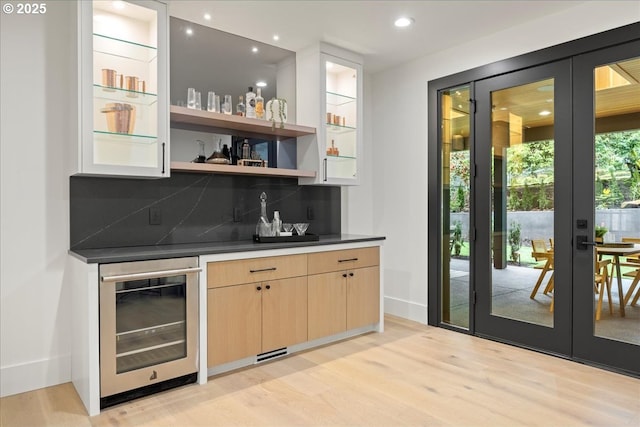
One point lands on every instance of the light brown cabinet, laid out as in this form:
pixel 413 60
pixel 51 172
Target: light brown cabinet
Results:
pixel 253 318
pixel 258 305
pixel 345 292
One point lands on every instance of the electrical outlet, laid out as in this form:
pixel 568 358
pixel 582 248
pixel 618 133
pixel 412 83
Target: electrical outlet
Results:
pixel 310 214
pixel 155 216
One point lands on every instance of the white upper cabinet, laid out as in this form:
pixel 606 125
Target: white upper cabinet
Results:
pixel 124 86
pixel 329 97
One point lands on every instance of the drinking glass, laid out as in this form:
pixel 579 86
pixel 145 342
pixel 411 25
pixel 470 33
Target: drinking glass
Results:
pixel 301 227
pixel 226 106
pixel 191 98
pixel 217 103
pixel 211 101
pixel 198 101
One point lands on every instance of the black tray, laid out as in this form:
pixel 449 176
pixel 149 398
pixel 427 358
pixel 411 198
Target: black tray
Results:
pixel 278 239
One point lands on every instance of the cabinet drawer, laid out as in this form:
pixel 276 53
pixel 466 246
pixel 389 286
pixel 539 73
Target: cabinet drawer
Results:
pixel 324 262
pixel 226 273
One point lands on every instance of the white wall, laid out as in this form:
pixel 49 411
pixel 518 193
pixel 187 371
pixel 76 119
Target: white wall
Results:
pixel 36 128
pixel 399 134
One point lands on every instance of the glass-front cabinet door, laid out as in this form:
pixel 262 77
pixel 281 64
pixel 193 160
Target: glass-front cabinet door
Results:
pixel 329 98
pixel 341 128
pixel 123 86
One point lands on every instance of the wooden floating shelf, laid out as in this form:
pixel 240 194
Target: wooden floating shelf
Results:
pixel 240 170
pixel 192 119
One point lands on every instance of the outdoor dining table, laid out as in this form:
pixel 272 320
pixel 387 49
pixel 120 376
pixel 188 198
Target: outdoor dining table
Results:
pixel 616 251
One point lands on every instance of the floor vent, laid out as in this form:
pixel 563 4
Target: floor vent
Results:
pixel 272 354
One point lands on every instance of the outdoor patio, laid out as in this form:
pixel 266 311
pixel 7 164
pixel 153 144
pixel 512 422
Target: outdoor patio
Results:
pixel 512 287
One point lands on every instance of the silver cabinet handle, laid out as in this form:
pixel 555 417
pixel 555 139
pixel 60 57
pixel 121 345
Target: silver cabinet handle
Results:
pixel 150 274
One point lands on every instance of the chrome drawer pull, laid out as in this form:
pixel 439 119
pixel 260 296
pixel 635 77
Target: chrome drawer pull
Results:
pixel 263 269
pixel 347 260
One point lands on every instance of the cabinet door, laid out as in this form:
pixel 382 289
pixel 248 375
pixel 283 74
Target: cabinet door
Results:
pixel 363 297
pixel 342 127
pixel 284 313
pixel 124 108
pixel 233 323
pixel 329 97
pixel 327 304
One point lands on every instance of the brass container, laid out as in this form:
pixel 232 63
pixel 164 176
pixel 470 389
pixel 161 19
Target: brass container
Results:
pixel 121 118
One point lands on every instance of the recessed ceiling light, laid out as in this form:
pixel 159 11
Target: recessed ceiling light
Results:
pixel 119 4
pixel 403 22
pixel 276 37
pixel 189 31
pixel 544 113
pixel 261 84
pixel 207 17
pixel 254 49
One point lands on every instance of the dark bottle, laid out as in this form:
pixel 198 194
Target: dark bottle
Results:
pixel 225 152
pixel 246 149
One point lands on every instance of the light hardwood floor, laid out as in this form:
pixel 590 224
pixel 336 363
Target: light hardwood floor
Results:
pixel 411 375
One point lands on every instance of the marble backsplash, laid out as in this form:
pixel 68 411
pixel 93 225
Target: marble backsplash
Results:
pixel 193 208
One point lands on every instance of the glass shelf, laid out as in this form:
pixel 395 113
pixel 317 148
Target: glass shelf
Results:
pixel 124 95
pixel 336 99
pixel 330 156
pixel 100 135
pixel 123 48
pixel 337 129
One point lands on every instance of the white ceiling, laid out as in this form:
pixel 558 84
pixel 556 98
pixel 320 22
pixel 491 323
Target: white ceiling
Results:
pixel 366 27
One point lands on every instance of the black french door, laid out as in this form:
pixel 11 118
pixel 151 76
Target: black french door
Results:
pixel 606 181
pixel 523 189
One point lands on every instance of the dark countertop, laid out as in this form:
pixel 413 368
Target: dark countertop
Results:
pixel 140 253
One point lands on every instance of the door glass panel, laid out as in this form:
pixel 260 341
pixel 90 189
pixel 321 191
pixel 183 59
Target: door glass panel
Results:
pixel 523 148
pixel 341 125
pixel 455 209
pixel 617 199
pixel 150 322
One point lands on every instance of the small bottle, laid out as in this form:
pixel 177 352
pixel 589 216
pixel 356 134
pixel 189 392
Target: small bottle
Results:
pixel 246 149
pixel 250 107
pixel 259 105
pixel 263 228
pixel 201 156
pixel 276 224
pixel 240 110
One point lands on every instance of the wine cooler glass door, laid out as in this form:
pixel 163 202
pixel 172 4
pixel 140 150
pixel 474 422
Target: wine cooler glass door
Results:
pixel 150 322
pixel 148 325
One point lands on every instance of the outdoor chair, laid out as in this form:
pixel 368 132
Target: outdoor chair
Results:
pixel 602 282
pixel 539 247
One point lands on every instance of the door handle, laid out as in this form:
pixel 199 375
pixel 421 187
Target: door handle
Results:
pixel 583 244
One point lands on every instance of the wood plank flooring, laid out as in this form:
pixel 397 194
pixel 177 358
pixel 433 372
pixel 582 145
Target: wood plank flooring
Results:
pixel 411 375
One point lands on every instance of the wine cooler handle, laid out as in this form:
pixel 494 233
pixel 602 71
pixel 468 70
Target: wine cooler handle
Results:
pixel 150 274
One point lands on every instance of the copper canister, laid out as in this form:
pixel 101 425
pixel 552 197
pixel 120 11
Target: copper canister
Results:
pixel 131 84
pixel 108 77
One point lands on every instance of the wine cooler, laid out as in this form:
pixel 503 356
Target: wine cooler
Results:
pixel 148 327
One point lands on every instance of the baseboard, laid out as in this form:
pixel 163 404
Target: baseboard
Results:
pixel 406 309
pixel 30 376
